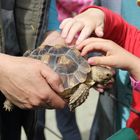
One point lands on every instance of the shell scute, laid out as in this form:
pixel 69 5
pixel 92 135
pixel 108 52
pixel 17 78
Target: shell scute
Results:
pixel 67 62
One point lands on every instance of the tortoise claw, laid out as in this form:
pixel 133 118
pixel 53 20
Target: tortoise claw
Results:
pixel 8 106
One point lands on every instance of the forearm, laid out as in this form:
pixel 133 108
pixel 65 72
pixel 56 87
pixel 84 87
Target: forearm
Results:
pixel 119 31
pixel 134 68
pixel 115 28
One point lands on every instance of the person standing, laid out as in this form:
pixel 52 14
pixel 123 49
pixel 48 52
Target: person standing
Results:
pixel 22 27
pixel 66 120
pixel 122 88
pixel 119 32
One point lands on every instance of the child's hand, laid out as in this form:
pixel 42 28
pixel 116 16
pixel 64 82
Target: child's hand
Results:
pixel 83 25
pixel 115 56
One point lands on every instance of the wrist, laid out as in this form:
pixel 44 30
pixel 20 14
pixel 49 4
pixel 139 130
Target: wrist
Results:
pixel 134 69
pixel 3 63
pixel 135 73
pixel 135 84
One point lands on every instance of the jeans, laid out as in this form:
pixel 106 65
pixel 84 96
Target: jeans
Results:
pixel 67 125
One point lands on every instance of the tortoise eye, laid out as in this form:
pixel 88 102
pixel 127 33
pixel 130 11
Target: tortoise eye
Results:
pixel 108 74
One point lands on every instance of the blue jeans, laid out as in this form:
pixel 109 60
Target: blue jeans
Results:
pixel 67 125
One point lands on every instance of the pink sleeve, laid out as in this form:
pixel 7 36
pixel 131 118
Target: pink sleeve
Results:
pixel 119 31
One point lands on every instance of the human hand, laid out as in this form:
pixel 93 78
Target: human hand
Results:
pixel 115 56
pixel 28 83
pixel 53 38
pixel 89 22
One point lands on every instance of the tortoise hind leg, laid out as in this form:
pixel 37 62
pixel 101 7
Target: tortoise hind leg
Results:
pixel 79 96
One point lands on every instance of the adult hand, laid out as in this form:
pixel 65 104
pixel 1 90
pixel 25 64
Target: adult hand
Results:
pixel 28 83
pixel 53 38
pixel 83 25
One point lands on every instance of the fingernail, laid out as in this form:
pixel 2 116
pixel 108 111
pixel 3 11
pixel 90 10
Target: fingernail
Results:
pixel 82 54
pixel 101 33
pixel 61 88
pixel 90 61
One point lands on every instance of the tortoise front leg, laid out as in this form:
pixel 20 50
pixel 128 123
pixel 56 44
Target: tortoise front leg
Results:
pixel 79 96
pixel 8 106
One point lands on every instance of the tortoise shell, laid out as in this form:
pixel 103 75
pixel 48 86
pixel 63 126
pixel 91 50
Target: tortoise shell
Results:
pixel 67 62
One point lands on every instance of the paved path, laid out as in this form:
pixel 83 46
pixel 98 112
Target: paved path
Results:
pixel 84 114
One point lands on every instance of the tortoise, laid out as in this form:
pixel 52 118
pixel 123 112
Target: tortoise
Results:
pixel 76 74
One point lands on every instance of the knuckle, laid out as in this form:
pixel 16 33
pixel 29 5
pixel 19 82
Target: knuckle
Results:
pixel 29 107
pixel 44 97
pixel 22 106
pixel 55 78
pixel 109 42
pixel 35 103
pixel 38 64
pixel 97 61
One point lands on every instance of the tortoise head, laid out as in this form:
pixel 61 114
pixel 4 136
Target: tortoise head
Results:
pixel 102 75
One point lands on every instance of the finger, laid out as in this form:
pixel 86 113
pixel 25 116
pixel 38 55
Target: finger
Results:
pixel 100 60
pixel 46 95
pixel 53 79
pixel 64 22
pixel 49 97
pixel 55 101
pixel 100 90
pixel 99 30
pixel 66 28
pixel 98 41
pixel 75 28
pixel 85 33
pixel 87 49
pixel 88 41
pixel 93 46
pixel 84 43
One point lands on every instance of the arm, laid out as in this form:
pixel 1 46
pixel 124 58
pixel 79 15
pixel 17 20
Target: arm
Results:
pixel 101 22
pixel 28 83
pixel 115 56
pixel 119 31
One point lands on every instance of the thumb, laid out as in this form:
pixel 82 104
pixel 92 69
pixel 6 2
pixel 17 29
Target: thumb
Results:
pixel 99 30
pixel 99 60
pixel 53 80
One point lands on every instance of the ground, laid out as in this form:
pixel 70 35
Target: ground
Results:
pixel 84 122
